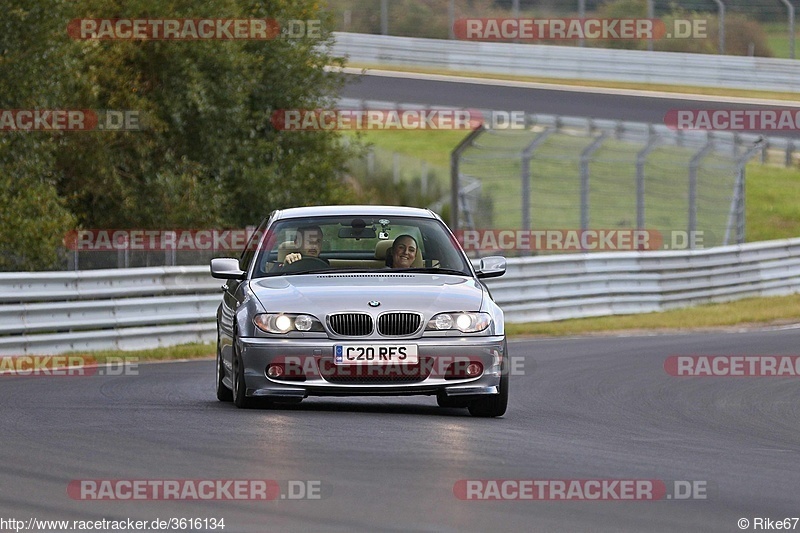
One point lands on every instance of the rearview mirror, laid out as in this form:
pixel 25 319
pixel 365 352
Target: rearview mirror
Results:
pixel 353 232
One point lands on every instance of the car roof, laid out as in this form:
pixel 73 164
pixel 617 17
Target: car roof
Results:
pixel 353 210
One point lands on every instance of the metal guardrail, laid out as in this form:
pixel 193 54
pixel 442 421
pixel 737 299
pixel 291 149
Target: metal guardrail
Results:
pixel 550 288
pixel 126 309
pixel 566 62
pixel 57 312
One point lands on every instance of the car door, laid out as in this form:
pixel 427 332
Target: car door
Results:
pixel 232 295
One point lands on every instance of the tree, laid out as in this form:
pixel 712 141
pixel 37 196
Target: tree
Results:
pixel 208 154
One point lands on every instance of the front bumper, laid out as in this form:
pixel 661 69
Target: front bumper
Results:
pixel 310 370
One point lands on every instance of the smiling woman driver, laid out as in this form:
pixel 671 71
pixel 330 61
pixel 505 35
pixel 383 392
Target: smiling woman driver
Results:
pixel 402 253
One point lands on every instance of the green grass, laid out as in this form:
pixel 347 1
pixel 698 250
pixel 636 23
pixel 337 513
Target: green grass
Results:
pixel 749 312
pixel 773 211
pixel 183 351
pixel 778 39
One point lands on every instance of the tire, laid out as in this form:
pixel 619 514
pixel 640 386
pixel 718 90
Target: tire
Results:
pixel 240 400
pixel 224 394
pixel 495 405
pixel 452 402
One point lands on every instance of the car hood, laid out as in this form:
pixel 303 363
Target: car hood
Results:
pixel 321 294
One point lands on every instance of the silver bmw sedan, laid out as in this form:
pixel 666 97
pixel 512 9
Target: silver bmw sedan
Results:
pixel 359 301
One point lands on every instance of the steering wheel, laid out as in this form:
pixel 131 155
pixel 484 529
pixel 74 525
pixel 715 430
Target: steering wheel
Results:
pixel 307 263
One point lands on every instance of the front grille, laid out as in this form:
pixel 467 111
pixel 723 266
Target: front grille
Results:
pixel 350 324
pixel 369 374
pixel 398 324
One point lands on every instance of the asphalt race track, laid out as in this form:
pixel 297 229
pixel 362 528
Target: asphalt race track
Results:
pixel 584 408
pixel 532 100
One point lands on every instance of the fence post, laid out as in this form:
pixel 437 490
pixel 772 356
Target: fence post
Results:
pixel 455 156
pixel 527 154
pixel 721 26
pixel 736 212
pixel 585 155
pixel 694 164
pixel 451 18
pixel 384 17
pixel 641 159
pixel 790 8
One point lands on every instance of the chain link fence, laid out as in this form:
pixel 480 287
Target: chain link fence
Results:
pixel 554 176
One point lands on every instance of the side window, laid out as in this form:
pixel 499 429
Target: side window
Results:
pixel 252 246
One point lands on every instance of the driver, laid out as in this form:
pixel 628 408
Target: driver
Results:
pixel 402 253
pixel 309 240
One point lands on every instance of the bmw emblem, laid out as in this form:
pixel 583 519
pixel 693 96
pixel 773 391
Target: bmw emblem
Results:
pixel 374 303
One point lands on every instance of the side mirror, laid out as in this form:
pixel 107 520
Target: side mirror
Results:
pixel 492 267
pixel 226 268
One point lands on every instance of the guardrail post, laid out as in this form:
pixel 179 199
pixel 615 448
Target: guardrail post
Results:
pixel 585 155
pixel 455 156
pixel 694 164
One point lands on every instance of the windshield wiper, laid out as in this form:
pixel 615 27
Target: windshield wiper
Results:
pixel 332 270
pixel 432 270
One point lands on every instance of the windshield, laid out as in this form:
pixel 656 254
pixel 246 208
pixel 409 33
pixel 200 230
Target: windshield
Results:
pixel 298 246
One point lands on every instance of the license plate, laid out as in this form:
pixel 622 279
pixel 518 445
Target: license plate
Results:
pixel 375 354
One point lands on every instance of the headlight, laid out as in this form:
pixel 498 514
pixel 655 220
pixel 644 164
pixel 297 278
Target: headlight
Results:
pixel 464 322
pixel 283 323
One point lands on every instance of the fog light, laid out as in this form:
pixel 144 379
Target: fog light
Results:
pixel 274 371
pixel 474 369
pixel 463 369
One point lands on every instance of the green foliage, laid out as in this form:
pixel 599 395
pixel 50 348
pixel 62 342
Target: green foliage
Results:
pixel 741 32
pixel 34 219
pixel 208 154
